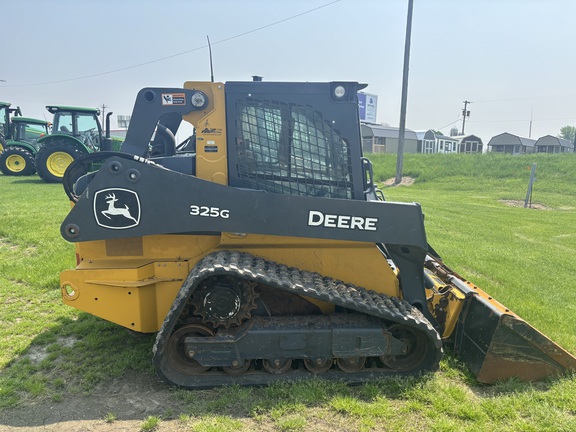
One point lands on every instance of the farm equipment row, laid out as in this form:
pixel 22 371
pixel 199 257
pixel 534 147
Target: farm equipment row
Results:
pixel 30 145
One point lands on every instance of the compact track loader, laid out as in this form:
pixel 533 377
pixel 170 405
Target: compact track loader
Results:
pixel 260 249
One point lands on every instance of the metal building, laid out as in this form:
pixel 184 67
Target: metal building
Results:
pixel 511 144
pixel 552 144
pixel 384 139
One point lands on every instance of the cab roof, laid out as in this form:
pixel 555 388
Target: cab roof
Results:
pixel 29 120
pixel 55 108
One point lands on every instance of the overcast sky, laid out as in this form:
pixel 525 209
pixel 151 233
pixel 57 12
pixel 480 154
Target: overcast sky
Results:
pixel 515 60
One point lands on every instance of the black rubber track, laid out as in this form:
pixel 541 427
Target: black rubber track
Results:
pixel 309 284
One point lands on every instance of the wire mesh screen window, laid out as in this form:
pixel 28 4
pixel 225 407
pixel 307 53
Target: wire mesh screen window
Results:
pixel 291 150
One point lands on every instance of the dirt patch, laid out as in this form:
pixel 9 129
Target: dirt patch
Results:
pixel 37 354
pixel 120 405
pixel 406 181
pixel 13 247
pixel 520 203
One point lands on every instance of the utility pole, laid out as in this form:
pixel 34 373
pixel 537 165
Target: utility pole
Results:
pixel 103 115
pixel 465 113
pixel 530 128
pixel 402 129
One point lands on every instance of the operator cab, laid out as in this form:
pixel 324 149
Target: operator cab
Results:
pixel 28 130
pixel 286 138
pixel 79 122
pixel 5 124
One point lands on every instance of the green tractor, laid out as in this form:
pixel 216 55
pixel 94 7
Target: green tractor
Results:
pixel 18 157
pixel 76 131
pixel 5 129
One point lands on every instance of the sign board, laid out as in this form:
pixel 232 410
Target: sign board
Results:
pixel 367 104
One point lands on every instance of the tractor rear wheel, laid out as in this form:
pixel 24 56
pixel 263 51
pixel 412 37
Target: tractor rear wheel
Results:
pixel 53 159
pixel 17 161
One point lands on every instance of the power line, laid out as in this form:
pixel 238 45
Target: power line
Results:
pixel 450 124
pixel 522 120
pixel 557 96
pixel 178 54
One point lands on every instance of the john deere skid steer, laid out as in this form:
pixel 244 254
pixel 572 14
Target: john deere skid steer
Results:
pixel 262 251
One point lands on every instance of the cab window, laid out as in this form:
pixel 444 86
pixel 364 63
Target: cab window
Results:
pixel 291 150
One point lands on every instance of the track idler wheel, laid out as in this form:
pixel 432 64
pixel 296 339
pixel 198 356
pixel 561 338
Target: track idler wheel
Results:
pixel 277 366
pixel 416 349
pixel 237 368
pixel 318 365
pixel 351 364
pixel 176 353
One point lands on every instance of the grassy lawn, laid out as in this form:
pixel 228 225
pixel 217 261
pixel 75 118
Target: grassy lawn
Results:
pixel 52 354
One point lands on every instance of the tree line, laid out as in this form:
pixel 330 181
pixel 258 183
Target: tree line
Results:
pixel 568 133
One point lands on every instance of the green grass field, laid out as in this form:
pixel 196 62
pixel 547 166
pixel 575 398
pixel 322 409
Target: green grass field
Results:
pixel 51 354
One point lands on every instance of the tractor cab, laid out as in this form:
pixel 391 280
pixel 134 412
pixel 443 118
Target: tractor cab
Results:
pixel 29 130
pixel 5 115
pixel 81 123
pixel 18 157
pixel 76 131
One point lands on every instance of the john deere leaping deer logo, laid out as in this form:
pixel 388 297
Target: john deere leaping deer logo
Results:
pixel 117 208
pixel 114 211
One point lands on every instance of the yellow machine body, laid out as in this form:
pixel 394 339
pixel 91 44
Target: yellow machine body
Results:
pixel 133 282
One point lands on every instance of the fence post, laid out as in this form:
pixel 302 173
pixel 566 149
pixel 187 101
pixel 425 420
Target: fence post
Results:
pixel 528 199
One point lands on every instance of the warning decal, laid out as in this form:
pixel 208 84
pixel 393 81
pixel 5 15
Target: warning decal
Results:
pixel 173 99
